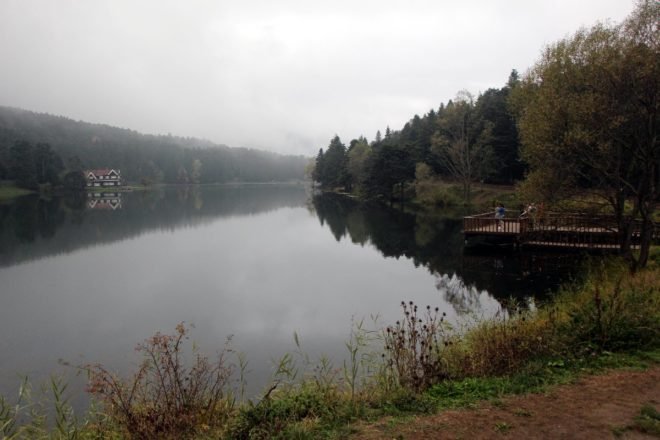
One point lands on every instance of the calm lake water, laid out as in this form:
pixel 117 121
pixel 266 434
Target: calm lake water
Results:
pixel 84 280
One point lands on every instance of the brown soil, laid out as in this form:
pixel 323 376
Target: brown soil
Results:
pixel 595 407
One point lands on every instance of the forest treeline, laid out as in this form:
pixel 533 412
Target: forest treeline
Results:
pixel 465 140
pixel 25 137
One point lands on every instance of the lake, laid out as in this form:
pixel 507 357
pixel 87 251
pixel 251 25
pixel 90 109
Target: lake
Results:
pixel 84 280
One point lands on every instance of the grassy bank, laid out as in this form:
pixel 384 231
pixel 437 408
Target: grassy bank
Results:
pixel 10 192
pixel 436 193
pixel 433 194
pixel 420 364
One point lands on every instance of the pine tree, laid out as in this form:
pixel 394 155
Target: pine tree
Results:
pixel 318 175
pixel 22 165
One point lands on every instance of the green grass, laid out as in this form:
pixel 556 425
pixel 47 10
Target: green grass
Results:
pixel 538 377
pixel 432 194
pixel 646 421
pixel 502 427
pixel 488 196
pixel 9 192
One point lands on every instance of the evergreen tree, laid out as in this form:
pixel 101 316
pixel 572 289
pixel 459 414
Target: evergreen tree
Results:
pixel 4 160
pixel 334 165
pixel 22 165
pixel 74 181
pixel 74 164
pixel 318 175
pixel 47 164
pixel 388 167
pixel 492 106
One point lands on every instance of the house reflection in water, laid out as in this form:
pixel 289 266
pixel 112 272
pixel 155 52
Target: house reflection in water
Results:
pixel 104 201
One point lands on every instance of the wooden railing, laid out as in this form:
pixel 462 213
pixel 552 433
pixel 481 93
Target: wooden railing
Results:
pixel 489 224
pixel 576 230
pixel 587 224
pixel 572 230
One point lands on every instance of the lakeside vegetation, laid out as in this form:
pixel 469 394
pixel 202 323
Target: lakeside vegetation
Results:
pixel 12 191
pixel 420 364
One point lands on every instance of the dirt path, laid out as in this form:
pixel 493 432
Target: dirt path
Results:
pixel 593 408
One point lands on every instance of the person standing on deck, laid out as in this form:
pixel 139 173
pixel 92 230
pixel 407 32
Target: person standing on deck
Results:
pixel 500 212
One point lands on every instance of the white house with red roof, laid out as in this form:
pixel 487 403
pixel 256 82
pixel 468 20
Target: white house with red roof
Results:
pixel 103 177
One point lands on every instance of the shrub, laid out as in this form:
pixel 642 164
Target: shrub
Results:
pixel 648 420
pixel 166 399
pixel 614 310
pixel 502 344
pixel 437 194
pixel 413 347
pixel 292 408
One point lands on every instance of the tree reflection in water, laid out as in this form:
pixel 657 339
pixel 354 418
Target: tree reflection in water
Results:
pixel 473 281
pixel 33 227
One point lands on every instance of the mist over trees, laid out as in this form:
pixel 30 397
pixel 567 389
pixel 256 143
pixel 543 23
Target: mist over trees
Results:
pixel 141 158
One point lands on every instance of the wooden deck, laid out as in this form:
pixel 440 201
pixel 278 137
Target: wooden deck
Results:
pixel 553 230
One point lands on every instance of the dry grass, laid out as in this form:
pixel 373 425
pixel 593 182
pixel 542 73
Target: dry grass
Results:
pixel 613 311
pixel 414 346
pixel 502 345
pixel 165 398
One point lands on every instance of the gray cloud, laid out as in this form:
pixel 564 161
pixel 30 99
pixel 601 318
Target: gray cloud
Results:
pixel 283 76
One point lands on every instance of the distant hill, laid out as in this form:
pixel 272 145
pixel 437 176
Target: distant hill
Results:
pixel 141 157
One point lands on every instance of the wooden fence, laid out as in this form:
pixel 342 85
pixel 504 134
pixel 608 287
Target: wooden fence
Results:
pixel 553 229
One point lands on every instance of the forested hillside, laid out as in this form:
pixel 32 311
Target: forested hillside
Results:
pixel 466 140
pixel 141 158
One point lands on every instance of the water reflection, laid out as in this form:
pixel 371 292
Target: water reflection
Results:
pixel 463 298
pixel 466 277
pixel 33 227
pixel 104 201
pixel 80 283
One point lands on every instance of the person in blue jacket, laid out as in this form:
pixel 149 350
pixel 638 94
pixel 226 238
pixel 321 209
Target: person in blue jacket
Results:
pixel 500 212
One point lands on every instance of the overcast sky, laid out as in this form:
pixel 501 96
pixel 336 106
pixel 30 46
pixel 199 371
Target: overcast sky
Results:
pixel 280 75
